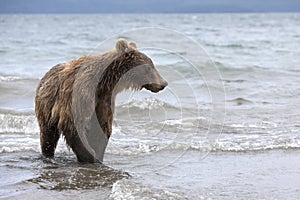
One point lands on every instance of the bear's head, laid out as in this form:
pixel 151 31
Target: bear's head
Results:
pixel 137 69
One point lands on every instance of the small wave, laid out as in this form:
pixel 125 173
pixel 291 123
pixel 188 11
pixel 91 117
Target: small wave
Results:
pixel 240 101
pixel 18 123
pixel 246 143
pixel 7 149
pixel 16 78
pixel 235 46
pixel 146 104
pixel 239 46
pixel 236 70
pixel 205 146
pixel 129 189
pixel 3 51
pixel 234 81
pixel 27 143
pixel 9 78
pixel 231 46
pixel 133 146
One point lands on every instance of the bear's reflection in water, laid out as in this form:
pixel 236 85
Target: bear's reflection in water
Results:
pixel 66 174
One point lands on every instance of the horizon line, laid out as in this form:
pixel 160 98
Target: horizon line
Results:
pixel 202 12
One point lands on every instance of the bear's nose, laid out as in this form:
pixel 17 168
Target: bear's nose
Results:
pixel 163 85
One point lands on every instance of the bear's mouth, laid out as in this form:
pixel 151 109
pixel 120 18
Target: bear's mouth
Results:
pixel 154 87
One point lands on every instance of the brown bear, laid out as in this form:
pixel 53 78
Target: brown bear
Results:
pixel 77 98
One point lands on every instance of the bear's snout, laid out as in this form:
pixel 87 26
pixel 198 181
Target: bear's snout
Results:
pixel 156 87
pixel 163 85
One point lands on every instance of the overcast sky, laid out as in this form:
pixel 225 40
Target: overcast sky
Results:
pixel 147 6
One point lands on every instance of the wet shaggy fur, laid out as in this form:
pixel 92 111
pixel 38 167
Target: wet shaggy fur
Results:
pixel 71 96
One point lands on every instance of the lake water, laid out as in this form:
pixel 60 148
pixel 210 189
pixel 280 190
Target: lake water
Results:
pixel 226 127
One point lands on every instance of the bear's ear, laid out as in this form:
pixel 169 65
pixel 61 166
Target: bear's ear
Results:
pixel 133 44
pixel 122 46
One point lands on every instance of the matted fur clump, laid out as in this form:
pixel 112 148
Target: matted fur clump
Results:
pixel 77 98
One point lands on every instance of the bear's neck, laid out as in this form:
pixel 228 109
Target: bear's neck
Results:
pixel 107 91
pixel 110 84
pixel 111 81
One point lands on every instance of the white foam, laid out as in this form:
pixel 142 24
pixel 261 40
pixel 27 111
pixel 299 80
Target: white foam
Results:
pixel 18 143
pixel 128 189
pixel 22 143
pixel 8 78
pixel 244 143
pixel 132 146
pixel 18 123
pixel 147 103
pixel 260 125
